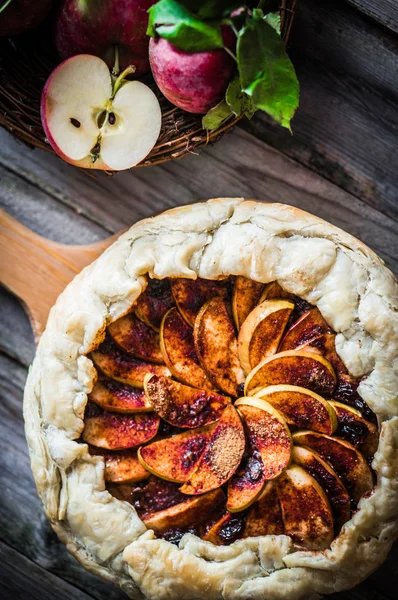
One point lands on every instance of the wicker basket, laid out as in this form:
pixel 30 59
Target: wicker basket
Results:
pixel 27 61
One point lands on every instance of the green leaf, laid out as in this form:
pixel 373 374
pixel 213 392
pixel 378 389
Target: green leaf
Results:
pixel 266 72
pixel 238 101
pixel 274 19
pixel 216 116
pixel 211 9
pixel 172 21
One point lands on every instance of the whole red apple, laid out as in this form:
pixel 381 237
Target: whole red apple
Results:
pixel 193 81
pixel 22 15
pixel 96 26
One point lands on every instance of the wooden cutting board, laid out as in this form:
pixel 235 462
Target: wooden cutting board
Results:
pixel 37 270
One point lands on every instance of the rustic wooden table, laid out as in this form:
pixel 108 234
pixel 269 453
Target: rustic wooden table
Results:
pixel 341 164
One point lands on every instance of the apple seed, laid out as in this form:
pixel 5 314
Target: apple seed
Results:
pixel 75 122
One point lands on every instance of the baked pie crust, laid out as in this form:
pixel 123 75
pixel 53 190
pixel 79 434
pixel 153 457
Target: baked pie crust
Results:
pixel 358 297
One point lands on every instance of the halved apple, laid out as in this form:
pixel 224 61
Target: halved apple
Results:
pixel 265 516
pixel 225 530
pixel 191 294
pixel 344 458
pixel 123 367
pixel 217 347
pixel 118 397
pixel 261 332
pixel 191 512
pixel 294 367
pixel 133 336
pixel 178 349
pixel 308 327
pixel 320 470
pixel 174 458
pixel 301 407
pixel 307 515
pixel 181 405
pixel 120 432
pixel 154 303
pixel 270 445
pixel 245 297
pixel 121 467
pixel 355 429
pixel 221 457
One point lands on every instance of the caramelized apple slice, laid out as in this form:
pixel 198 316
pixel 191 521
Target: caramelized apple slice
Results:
pixel 306 512
pixel 118 397
pixel 181 405
pixel 301 407
pixel 345 459
pixel 217 348
pixel 262 331
pixel 269 436
pixel 121 467
pixel 191 512
pixel 355 429
pixel 245 297
pixel 221 456
pixel 225 530
pixel 154 496
pixel 135 337
pixel 265 516
pixel 174 458
pixel 307 328
pixel 119 432
pixel 191 294
pixel 178 349
pixel 294 367
pixel 320 470
pixel 274 290
pixel 154 302
pixel 119 365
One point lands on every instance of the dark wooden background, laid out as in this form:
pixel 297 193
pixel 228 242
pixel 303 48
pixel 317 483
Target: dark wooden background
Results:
pixel 341 164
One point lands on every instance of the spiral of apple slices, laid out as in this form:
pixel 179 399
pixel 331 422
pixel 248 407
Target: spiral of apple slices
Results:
pixel 222 409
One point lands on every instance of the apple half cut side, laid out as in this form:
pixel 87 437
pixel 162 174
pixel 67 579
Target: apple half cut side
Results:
pixel 178 349
pixel 137 338
pixel 270 445
pixel 301 407
pixel 294 367
pixel 120 432
pixel 174 458
pixel 261 332
pixel 307 515
pixel 355 429
pixel 154 302
pixel 217 347
pixel 118 397
pixel 123 367
pixel 344 458
pixel 221 456
pixel 327 478
pixel 181 405
pixel 225 530
pixel 121 467
pixel 191 294
pixel 265 516
pixel 245 297
pixel 92 122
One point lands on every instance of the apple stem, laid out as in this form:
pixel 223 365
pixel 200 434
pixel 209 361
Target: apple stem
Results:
pixel 128 71
pixel 5 5
pixel 230 53
pixel 116 66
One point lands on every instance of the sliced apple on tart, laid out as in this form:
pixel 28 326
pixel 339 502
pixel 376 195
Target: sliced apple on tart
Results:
pixel 119 397
pixel 137 338
pixel 354 428
pixel 173 458
pixel 221 456
pixel 305 330
pixel 154 302
pixel 301 407
pixel 294 367
pixel 217 347
pixel 181 405
pixel 345 459
pixel 191 294
pixel 120 432
pixel 306 512
pixel 261 332
pixel 245 297
pixel 122 466
pixel 178 349
pixel 265 516
pixel 274 291
pixel 225 530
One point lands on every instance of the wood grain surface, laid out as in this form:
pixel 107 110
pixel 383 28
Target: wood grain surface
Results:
pixel 341 164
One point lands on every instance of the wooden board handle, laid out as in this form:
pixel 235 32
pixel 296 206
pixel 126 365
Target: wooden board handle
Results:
pixel 37 270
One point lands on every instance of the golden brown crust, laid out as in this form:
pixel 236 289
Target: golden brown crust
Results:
pixel 356 295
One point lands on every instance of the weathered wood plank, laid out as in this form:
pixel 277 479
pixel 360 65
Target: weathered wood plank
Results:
pixel 16 338
pixel 347 123
pixel 384 12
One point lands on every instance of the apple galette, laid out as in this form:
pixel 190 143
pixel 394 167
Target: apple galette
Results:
pixel 213 409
